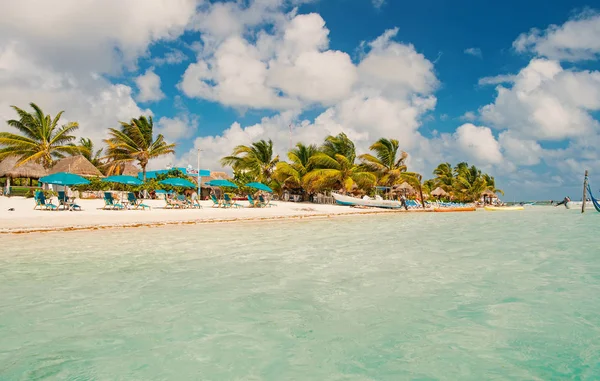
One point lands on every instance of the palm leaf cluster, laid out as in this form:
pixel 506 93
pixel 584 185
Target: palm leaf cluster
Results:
pixel 40 139
pixel 335 166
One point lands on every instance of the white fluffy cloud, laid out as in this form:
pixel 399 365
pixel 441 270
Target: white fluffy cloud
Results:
pixel 478 143
pixel 577 39
pixel 58 55
pixel 497 79
pixel 547 102
pixel 475 52
pixel 149 86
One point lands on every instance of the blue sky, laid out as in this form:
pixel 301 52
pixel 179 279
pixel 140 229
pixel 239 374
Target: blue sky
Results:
pixel 218 74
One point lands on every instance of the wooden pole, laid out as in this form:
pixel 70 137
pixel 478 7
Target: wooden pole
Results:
pixel 585 181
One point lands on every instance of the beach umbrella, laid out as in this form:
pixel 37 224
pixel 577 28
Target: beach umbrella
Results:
pixel 260 186
pixel 64 178
pixel 123 179
pixel 178 182
pixel 221 183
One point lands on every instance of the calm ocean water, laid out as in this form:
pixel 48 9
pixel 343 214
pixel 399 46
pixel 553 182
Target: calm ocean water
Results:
pixel 472 296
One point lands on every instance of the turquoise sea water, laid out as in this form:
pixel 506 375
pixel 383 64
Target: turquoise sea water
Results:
pixel 468 296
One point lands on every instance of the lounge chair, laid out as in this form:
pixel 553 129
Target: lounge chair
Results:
pixel 135 202
pixel 110 202
pixel 229 203
pixel 172 203
pixel 196 203
pixel 264 202
pixel 185 203
pixel 253 202
pixel 42 203
pixel 216 202
pixel 63 200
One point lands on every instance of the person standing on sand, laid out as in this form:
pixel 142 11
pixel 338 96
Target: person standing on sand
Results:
pixel 403 202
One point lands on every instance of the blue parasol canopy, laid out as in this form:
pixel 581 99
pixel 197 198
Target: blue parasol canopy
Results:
pixel 65 179
pixel 122 179
pixel 260 186
pixel 178 182
pixel 220 183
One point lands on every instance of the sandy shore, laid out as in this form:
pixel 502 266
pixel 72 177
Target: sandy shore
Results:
pixel 24 219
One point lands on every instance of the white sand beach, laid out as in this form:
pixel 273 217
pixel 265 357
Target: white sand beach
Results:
pixel 25 219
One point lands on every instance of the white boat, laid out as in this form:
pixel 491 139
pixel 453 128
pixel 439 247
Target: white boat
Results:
pixel 374 203
pixel 578 205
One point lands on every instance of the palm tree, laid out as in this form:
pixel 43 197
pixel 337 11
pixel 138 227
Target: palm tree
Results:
pixel 444 176
pixel 257 160
pixel 292 174
pixel 134 141
pixel 337 172
pixel 388 162
pixel 339 145
pixel 41 140
pixel 86 148
pixel 414 179
pixel 491 184
pixel 469 182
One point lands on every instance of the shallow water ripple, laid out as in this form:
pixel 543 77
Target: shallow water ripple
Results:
pixel 474 296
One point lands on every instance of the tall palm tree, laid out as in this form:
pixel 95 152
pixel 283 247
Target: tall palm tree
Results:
pixel 388 163
pixel 490 183
pixel 468 182
pixel 41 139
pixel 337 172
pixel 339 145
pixel 86 148
pixel 134 141
pixel 444 176
pixel 292 174
pixel 256 160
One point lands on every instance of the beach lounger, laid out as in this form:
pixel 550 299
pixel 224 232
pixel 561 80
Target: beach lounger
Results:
pixel 253 202
pixel 110 202
pixel 216 202
pixel 229 203
pixel 264 202
pixel 183 201
pixel 42 203
pixel 65 202
pixel 135 202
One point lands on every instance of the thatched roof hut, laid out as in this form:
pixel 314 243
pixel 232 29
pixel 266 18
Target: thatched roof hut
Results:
pixel 78 165
pixel 439 192
pixel 130 170
pixel 404 187
pixel 488 193
pixel 31 170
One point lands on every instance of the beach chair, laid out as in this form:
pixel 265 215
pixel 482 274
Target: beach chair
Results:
pixel 135 202
pixel 183 201
pixel 110 202
pixel 229 203
pixel 42 203
pixel 172 203
pixel 216 202
pixel 264 202
pixel 253 202
pixel 196 202
pixel 63 200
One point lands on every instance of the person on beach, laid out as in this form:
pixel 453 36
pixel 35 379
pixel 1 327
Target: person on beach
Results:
pixel 403 202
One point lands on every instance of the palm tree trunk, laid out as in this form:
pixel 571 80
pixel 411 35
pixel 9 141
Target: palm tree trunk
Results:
pixel 144 179
pixel 422 199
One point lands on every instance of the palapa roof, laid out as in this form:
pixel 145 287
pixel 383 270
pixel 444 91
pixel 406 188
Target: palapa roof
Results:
pixel 404 186
pixel 439 192
pixel 8 168
pixel 130 170
pixel 78 165
pixel 489 193
pixel 215 176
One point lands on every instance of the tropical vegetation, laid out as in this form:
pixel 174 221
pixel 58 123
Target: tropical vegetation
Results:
pixel 309 169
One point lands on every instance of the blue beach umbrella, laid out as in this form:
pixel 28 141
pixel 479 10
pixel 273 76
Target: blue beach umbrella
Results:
pixel 221 183
pixel 122 179
pixel 178 182
pixel 260 186
pixel 64 179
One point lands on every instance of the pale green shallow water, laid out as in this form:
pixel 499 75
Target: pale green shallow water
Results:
pixel 472 296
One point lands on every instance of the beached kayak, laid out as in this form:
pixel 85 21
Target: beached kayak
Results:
pixel 457 209
pixel 503 208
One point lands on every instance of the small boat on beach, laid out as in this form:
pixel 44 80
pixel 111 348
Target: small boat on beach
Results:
pixel 503 208
pixel 374 203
